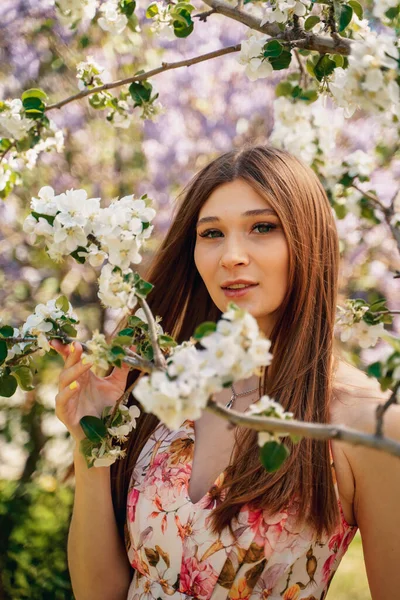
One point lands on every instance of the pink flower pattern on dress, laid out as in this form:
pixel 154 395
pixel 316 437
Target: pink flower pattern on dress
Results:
pixel 175 556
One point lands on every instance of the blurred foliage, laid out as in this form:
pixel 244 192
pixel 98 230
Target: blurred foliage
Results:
pixel 34 564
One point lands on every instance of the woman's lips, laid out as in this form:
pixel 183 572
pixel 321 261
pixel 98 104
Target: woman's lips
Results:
pixel 236 293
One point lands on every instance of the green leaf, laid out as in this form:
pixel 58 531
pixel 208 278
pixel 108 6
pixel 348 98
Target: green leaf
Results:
pixel 49 218
pixel 85 448
pixel 33 106
pixel 273 455
pixel 166 341
pixel 324 67
pixel 375 370
pixel 24 376
pixel 147 352
pixel 127 7
pixel 152 10
pixel 339 60
pixel 8 385
pixel 62 303
pixel 204 329
pixel 34 93
pixel 183 28
pixel 135 322
pixel 273 48
pixel 128 331
pixel 378 305
pixel 309 96
pixel 392 12
pixel 281 62
pixel 310 22
pixel 140 92
pixel 7 331
pixel 143 288
pixel 75 255
pixel 344 16
pixel 3 351
pixel 118 351
pixel 93 428
pixel 122 340
pixel 358 9
pixel 69 330
pixel 284 88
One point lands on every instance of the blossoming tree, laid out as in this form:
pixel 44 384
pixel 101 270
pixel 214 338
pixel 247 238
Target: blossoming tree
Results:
pixel 325 51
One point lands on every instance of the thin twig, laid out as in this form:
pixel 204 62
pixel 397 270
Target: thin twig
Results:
pixel 132 359
pixel 316 431
pixel 382 408
pixel 143 76
pixel 388 212
pixel 303 73
pixel 159 359
pixel 203 16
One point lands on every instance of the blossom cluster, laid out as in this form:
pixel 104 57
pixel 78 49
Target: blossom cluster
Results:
pixel 45 318
pixel 381 7
pixel 233 351
pixel 351 325
pixel 251 55
pixel 369 82
pixel 70 12
pixel 109 450
pixel 72 223
pixel 267 407
pixel 281 11
pixel 112 19
pixel 13 124
pixel 89 73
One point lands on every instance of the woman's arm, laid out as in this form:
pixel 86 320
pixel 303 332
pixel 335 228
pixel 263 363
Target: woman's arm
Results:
pixel 97 559
pixel 377 504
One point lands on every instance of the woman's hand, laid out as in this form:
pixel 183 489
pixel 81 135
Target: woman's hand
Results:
pixel 81 392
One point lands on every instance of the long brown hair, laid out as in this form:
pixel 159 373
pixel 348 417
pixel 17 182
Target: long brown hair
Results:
pixel 300 377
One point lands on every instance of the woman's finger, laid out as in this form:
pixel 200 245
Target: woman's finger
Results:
pixel 70 374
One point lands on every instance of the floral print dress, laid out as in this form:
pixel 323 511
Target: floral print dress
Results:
pixel 175 555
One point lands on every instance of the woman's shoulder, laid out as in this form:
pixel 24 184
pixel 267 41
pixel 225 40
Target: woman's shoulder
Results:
pixel 376 473
pixel 356 397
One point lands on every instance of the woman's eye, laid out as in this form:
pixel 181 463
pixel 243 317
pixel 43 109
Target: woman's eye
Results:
pixel 206 234
pixel 266 227
pixel 262 228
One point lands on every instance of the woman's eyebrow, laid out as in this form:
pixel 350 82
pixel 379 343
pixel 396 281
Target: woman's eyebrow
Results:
pixel 249 213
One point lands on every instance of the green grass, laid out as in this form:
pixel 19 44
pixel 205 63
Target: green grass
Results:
pixel 350 580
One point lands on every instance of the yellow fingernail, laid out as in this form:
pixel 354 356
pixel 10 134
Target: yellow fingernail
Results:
pixel 73 385
pixel 86 360
pixel 72 348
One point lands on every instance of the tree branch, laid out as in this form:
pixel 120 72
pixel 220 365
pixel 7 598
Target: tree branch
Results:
pixel 159 359
pixel 382 408
pixel 321 44
pixel 143 76
pixel 388 212
pixel 132 359
pixel 316 431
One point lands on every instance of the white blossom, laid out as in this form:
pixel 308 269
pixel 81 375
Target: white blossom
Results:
pixel 234 351
pixel 12 122
pixel 369 82
pixel 283 10
pixel 70 12
pixel 89 73
pixel 112 20
pixel 380 7
pixel 114 290
pixel 251 55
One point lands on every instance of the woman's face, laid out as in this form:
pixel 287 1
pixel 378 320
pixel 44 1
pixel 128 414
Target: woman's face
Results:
pixel 239 238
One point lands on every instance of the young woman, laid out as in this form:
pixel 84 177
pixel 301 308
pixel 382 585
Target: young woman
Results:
pixel 192 513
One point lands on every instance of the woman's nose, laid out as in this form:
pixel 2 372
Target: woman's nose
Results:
pixel 233 254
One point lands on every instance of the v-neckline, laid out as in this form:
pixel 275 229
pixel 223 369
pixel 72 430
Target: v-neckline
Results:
pixel 190 424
